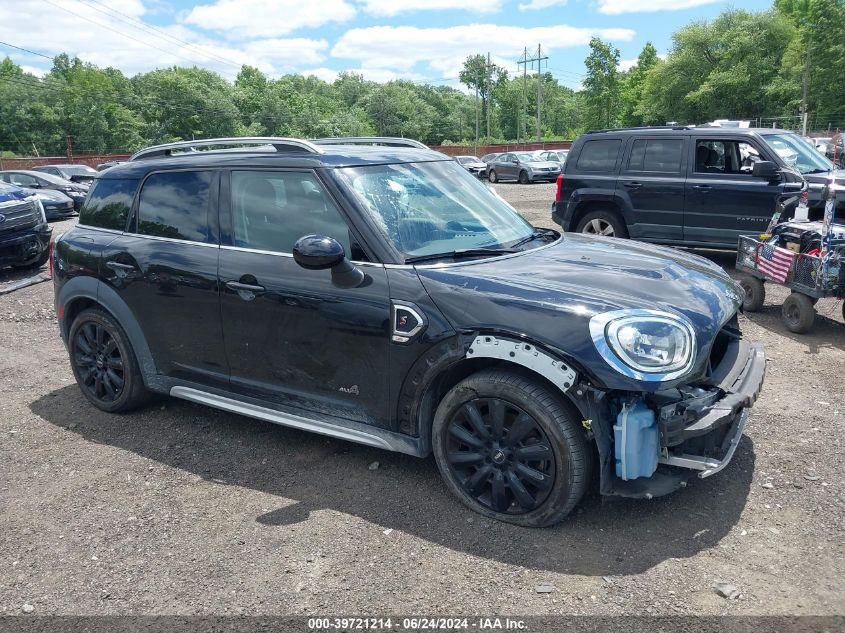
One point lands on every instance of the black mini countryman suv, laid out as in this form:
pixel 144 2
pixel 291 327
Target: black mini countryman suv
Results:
pixel 373 290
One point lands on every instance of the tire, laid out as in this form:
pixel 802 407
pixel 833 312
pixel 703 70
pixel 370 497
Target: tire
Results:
pixel 798 313
pixel 38 262
pixel 523 178
pixel 492 177
pixel 492 476
pixel 602 222
pixel 755 293
pixel 104 364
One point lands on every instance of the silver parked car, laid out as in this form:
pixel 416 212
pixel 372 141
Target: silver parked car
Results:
pixel 554 156
pixel 522 166
pixel 473 165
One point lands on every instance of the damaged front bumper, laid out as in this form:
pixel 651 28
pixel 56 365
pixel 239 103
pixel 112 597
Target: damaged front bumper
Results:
pixel 712 420
pixel 699 425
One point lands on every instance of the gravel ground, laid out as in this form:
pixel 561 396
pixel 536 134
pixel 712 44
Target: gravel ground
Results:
pixel 180 509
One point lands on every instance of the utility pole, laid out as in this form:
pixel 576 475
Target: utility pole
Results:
pixel 805 89
pixel 521 116
pixel 489 75
pixel 539 59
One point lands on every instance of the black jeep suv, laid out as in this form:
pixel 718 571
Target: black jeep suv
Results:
pixel 373 290
pixel 694 186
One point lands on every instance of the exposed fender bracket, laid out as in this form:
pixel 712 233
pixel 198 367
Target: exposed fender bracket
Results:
pixel 525 354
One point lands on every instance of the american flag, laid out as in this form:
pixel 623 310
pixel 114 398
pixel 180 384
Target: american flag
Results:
pixel 774 262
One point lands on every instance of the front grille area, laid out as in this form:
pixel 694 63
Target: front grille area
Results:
pixel 729 332
pixel 19 216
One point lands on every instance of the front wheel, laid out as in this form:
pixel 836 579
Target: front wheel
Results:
pixel 492 177
pixel 104 364
pixel 38 262
pixel 523 178
pixel 798 313
pixel 511 449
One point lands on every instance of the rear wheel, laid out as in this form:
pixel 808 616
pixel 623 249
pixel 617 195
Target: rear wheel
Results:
pixel 798 313
pixel 511 449
pixel 492 177
pixel 602 222
pixel 104 364
pixel 523 178
pixel 755 293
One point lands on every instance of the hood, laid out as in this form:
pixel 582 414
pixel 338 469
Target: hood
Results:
pixel 818 181
pixel 549 295
pixel 53 195
pixel 11 193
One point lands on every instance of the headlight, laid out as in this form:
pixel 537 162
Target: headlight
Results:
pixel 40 209
pixel 644 344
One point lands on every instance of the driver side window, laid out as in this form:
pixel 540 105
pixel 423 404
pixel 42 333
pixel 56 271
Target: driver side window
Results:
pixel 734 157
pixel 271 210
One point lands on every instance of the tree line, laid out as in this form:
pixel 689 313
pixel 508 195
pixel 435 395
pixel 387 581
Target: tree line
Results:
pixel 740 65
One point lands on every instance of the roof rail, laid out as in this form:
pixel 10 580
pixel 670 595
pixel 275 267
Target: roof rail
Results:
pixel 281 145
pixel 387 141
pixel 641 127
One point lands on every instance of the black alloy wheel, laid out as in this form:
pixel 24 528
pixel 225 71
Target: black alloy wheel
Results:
pixel 511 448
pixel 99 361
pixel 501 456
pixel 104 363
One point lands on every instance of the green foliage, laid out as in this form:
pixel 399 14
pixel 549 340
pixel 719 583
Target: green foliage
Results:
pixel 740 65
pixel 602 85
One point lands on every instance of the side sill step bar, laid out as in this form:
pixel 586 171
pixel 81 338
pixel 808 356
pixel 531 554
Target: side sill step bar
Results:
pixel 343 432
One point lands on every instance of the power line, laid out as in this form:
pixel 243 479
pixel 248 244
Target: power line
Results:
pixel 26 50
pixel 156 32
pixel 110 28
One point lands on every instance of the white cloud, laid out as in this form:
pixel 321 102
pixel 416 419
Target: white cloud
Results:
pixel 444 49
pixel 32 70
pixel 101 38
pixel 243 19
pixel 627 64
pixel 379 75
pixel 615 7
pixel 535 5
pixel 390 8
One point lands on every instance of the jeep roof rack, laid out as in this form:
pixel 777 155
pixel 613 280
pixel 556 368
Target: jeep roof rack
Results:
pixel 185 147
pixel 387 141
pixel 641 127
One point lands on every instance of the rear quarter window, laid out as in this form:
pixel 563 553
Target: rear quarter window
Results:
pixel 599 155
pixel 108 203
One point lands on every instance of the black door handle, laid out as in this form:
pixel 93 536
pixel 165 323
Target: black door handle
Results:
pixel 633 185
pixel 239 287
pixel 119 266
pixel 702 187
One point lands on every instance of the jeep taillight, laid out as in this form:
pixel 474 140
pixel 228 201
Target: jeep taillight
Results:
pixel 558 188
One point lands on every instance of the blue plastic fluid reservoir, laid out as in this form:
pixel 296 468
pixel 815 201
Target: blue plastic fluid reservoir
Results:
pixel 636 439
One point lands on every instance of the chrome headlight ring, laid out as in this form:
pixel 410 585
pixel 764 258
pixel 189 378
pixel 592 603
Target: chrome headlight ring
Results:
pixel 605 326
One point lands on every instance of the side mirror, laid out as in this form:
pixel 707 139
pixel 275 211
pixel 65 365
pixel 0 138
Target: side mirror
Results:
pixel 765 169
pixel 319 252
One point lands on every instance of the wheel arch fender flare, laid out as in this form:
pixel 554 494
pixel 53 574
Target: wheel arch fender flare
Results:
pixel 92 290
pixel 452 360
pixel 587 201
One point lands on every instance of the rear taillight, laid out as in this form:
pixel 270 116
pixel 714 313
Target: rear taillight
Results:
pixel 558 188
pixel 50 256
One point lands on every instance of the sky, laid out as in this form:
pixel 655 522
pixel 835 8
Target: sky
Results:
pixel 419 40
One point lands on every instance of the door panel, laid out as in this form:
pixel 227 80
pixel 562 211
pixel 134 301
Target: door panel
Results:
pixel 723 199
pixel 653 181
pixel 303 342
pixel 294 337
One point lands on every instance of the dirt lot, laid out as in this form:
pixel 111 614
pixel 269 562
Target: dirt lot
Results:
pixel 180 509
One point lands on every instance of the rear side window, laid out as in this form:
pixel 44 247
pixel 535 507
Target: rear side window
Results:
pixel 108 202
pixel 175 205
pixel 660 155
pixel 599 155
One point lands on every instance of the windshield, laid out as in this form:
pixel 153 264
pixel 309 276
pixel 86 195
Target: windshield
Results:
pixel 797 154
pixel 55 180
pixel 436 207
